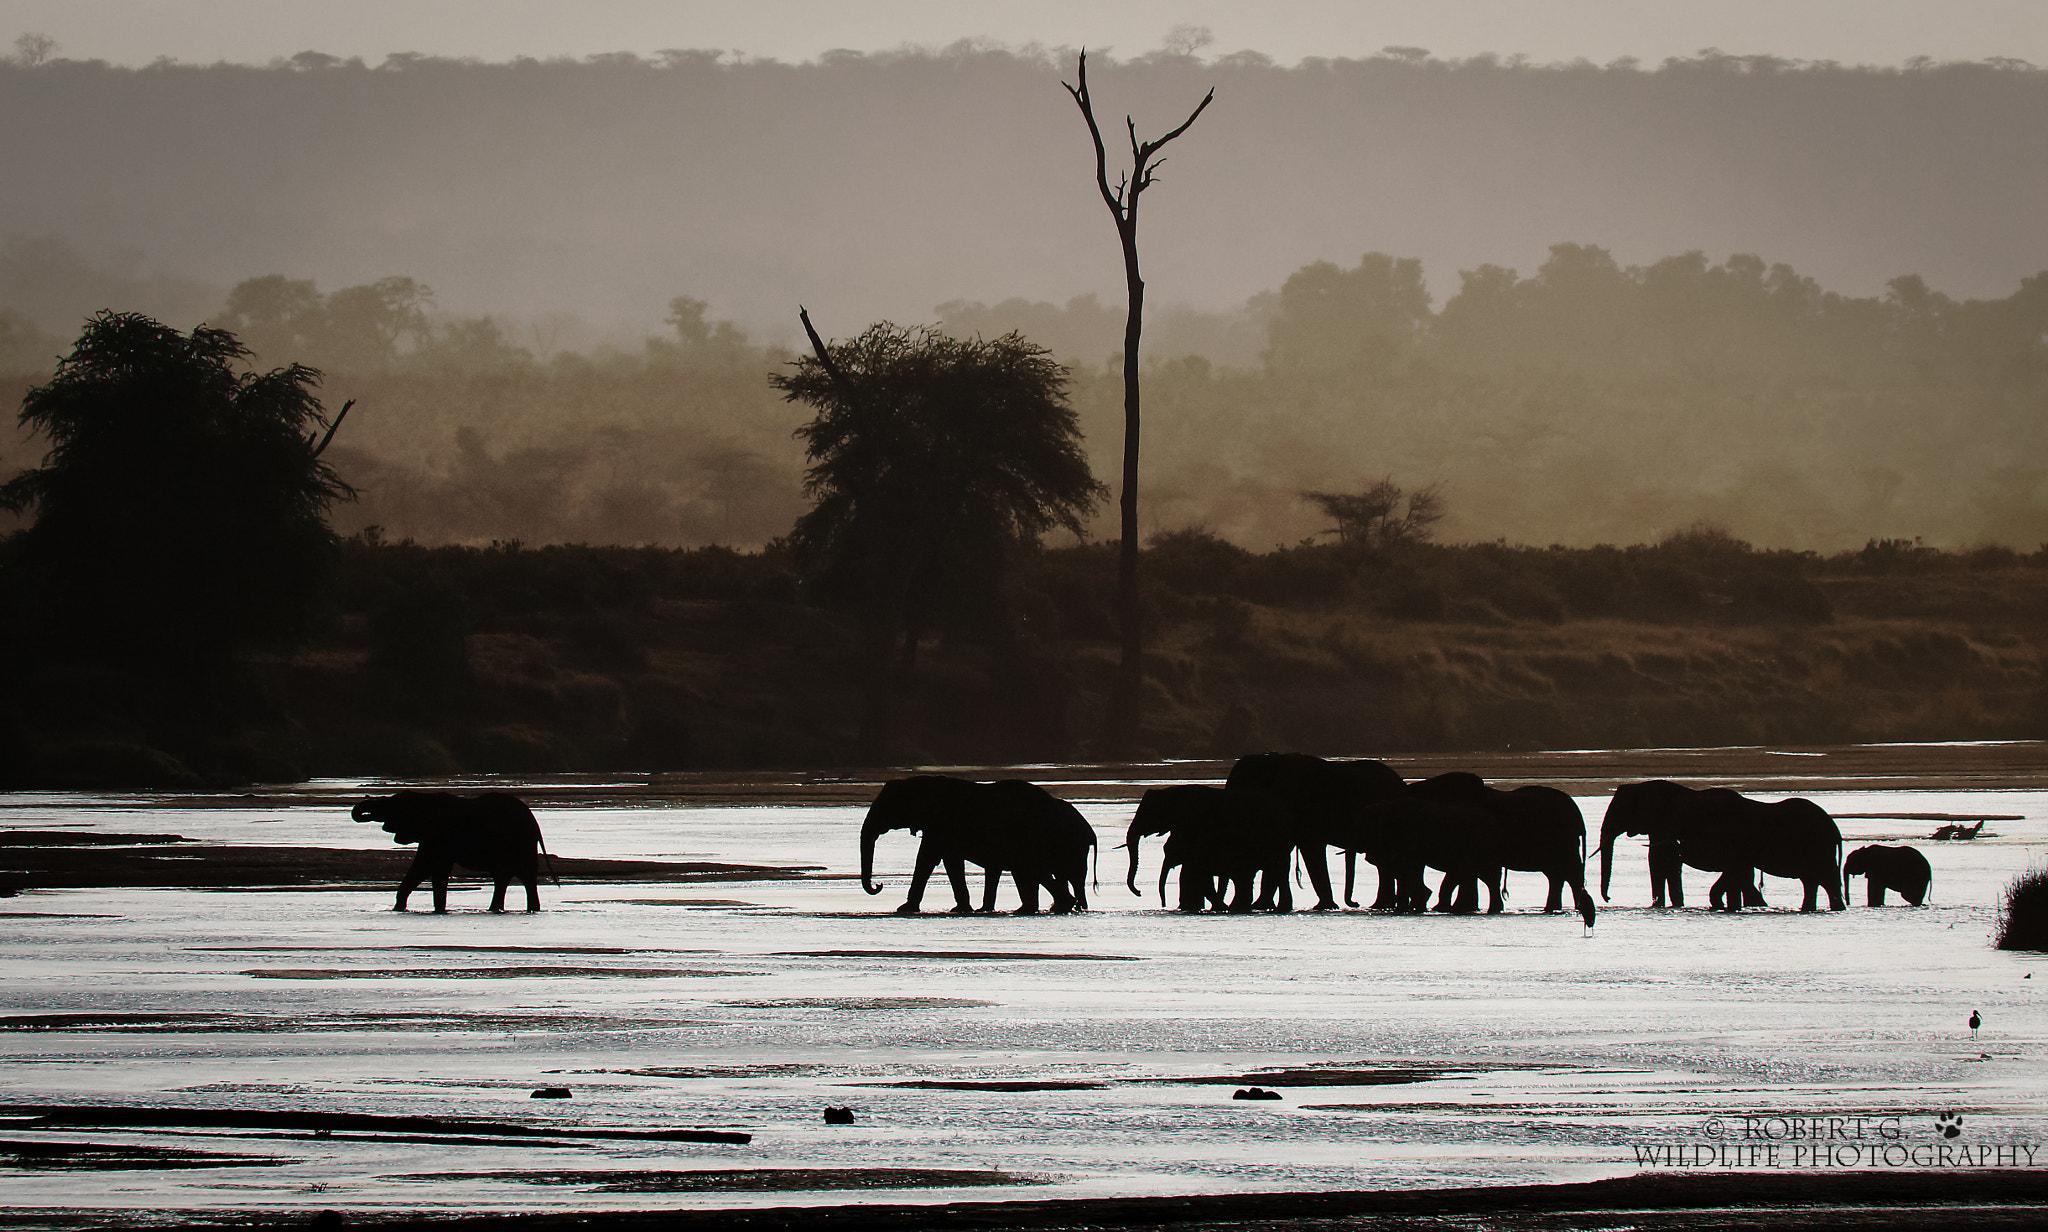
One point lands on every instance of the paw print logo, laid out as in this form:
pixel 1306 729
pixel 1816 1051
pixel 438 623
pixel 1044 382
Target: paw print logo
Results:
pixel 1950 1124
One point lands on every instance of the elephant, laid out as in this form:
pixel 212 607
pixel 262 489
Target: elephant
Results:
pixel 1541 829
pixel 1222 840
pixel 1010 827
pixel 1412 833
pixel 1322 795
pixel 1723 831
pixel 493 833
pixel 1890 868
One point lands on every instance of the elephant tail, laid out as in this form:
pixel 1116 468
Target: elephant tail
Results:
pixel 547 855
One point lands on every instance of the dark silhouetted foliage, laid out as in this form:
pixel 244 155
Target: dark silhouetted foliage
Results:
pixel 2023 915
pixel 933 459
pixel 180 508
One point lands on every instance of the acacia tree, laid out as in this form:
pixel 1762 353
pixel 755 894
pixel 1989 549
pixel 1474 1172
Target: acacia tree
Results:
pixel 1121 730
pixel 932 457
pixel 1374 518
pixel 180 507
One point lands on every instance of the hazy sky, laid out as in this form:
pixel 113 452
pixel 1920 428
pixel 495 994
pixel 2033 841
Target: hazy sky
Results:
pixel 255 31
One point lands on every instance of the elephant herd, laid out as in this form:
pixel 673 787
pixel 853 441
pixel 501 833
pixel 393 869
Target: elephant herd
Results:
pixel 1237 846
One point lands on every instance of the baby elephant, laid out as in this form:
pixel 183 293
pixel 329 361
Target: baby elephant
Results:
pixel 494 833
pixel 1889 868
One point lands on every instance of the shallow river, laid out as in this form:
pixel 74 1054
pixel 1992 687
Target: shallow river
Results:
pixel 1439 1050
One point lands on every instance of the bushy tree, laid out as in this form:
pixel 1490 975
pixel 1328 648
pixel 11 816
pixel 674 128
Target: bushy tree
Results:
pixel 931 458
pixel 180 507
pixel 1376 517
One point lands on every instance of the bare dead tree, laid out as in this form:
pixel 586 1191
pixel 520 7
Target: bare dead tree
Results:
pixel 1121 729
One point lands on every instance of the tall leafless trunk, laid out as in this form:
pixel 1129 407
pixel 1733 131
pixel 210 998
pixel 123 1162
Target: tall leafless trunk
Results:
pixel 882 609
pixel 1121 727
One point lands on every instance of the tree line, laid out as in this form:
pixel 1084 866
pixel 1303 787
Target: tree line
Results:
pixel 1579 403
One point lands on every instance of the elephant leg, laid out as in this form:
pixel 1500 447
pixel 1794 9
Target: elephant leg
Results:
pixel 956 876
pixel 1232 892
pixel 441 892
pixel 411 881
pixel 1494 894
pixel 992 882
pixel 1350 877
pixel 532 883
pixel 500 883
pixel 1665 875
pixel 1027 892
pixel 1389 897
pixel 1873 892
pixel 927 860
pixel 1056 890
pixel 1268 887
pixel 1317 858
pixel 1195 890
pixel 1414 891
pixel 1444 898
pixel 1555 902
pixel 1913 894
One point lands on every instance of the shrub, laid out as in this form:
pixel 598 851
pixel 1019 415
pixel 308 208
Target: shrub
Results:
pixel 2023 916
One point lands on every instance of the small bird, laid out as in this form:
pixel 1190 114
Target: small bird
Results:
pixel 1975 1022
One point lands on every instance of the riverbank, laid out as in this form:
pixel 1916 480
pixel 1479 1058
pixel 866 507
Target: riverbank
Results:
pixel 586 659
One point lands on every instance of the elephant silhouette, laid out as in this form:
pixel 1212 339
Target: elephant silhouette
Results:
pixel 1009 826
pixel 1322 795
pixel 1223 840
pixel 1541 831
pixel 1406 836
pixel 493 833
pixel 1890 868
pixel 1723 831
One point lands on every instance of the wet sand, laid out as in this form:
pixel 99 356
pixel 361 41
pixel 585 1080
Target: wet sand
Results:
pixel 2008 1199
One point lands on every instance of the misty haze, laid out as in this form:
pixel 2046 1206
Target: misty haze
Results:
pixel 1792 300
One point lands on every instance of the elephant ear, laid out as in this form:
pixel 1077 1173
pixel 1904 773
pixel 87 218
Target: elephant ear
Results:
pixel 405 820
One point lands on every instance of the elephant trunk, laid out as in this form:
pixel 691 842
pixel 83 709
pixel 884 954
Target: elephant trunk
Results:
pixel 1609 830
pixel 869 832
pixel 1131 841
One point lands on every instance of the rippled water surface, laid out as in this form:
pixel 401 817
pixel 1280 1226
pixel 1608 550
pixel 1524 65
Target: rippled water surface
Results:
pixel 1407 1051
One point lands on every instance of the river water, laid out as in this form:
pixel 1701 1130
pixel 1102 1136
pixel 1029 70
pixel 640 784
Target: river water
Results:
pixel 1088 1055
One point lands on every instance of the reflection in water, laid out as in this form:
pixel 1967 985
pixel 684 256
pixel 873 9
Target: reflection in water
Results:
pixel 1090 1054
